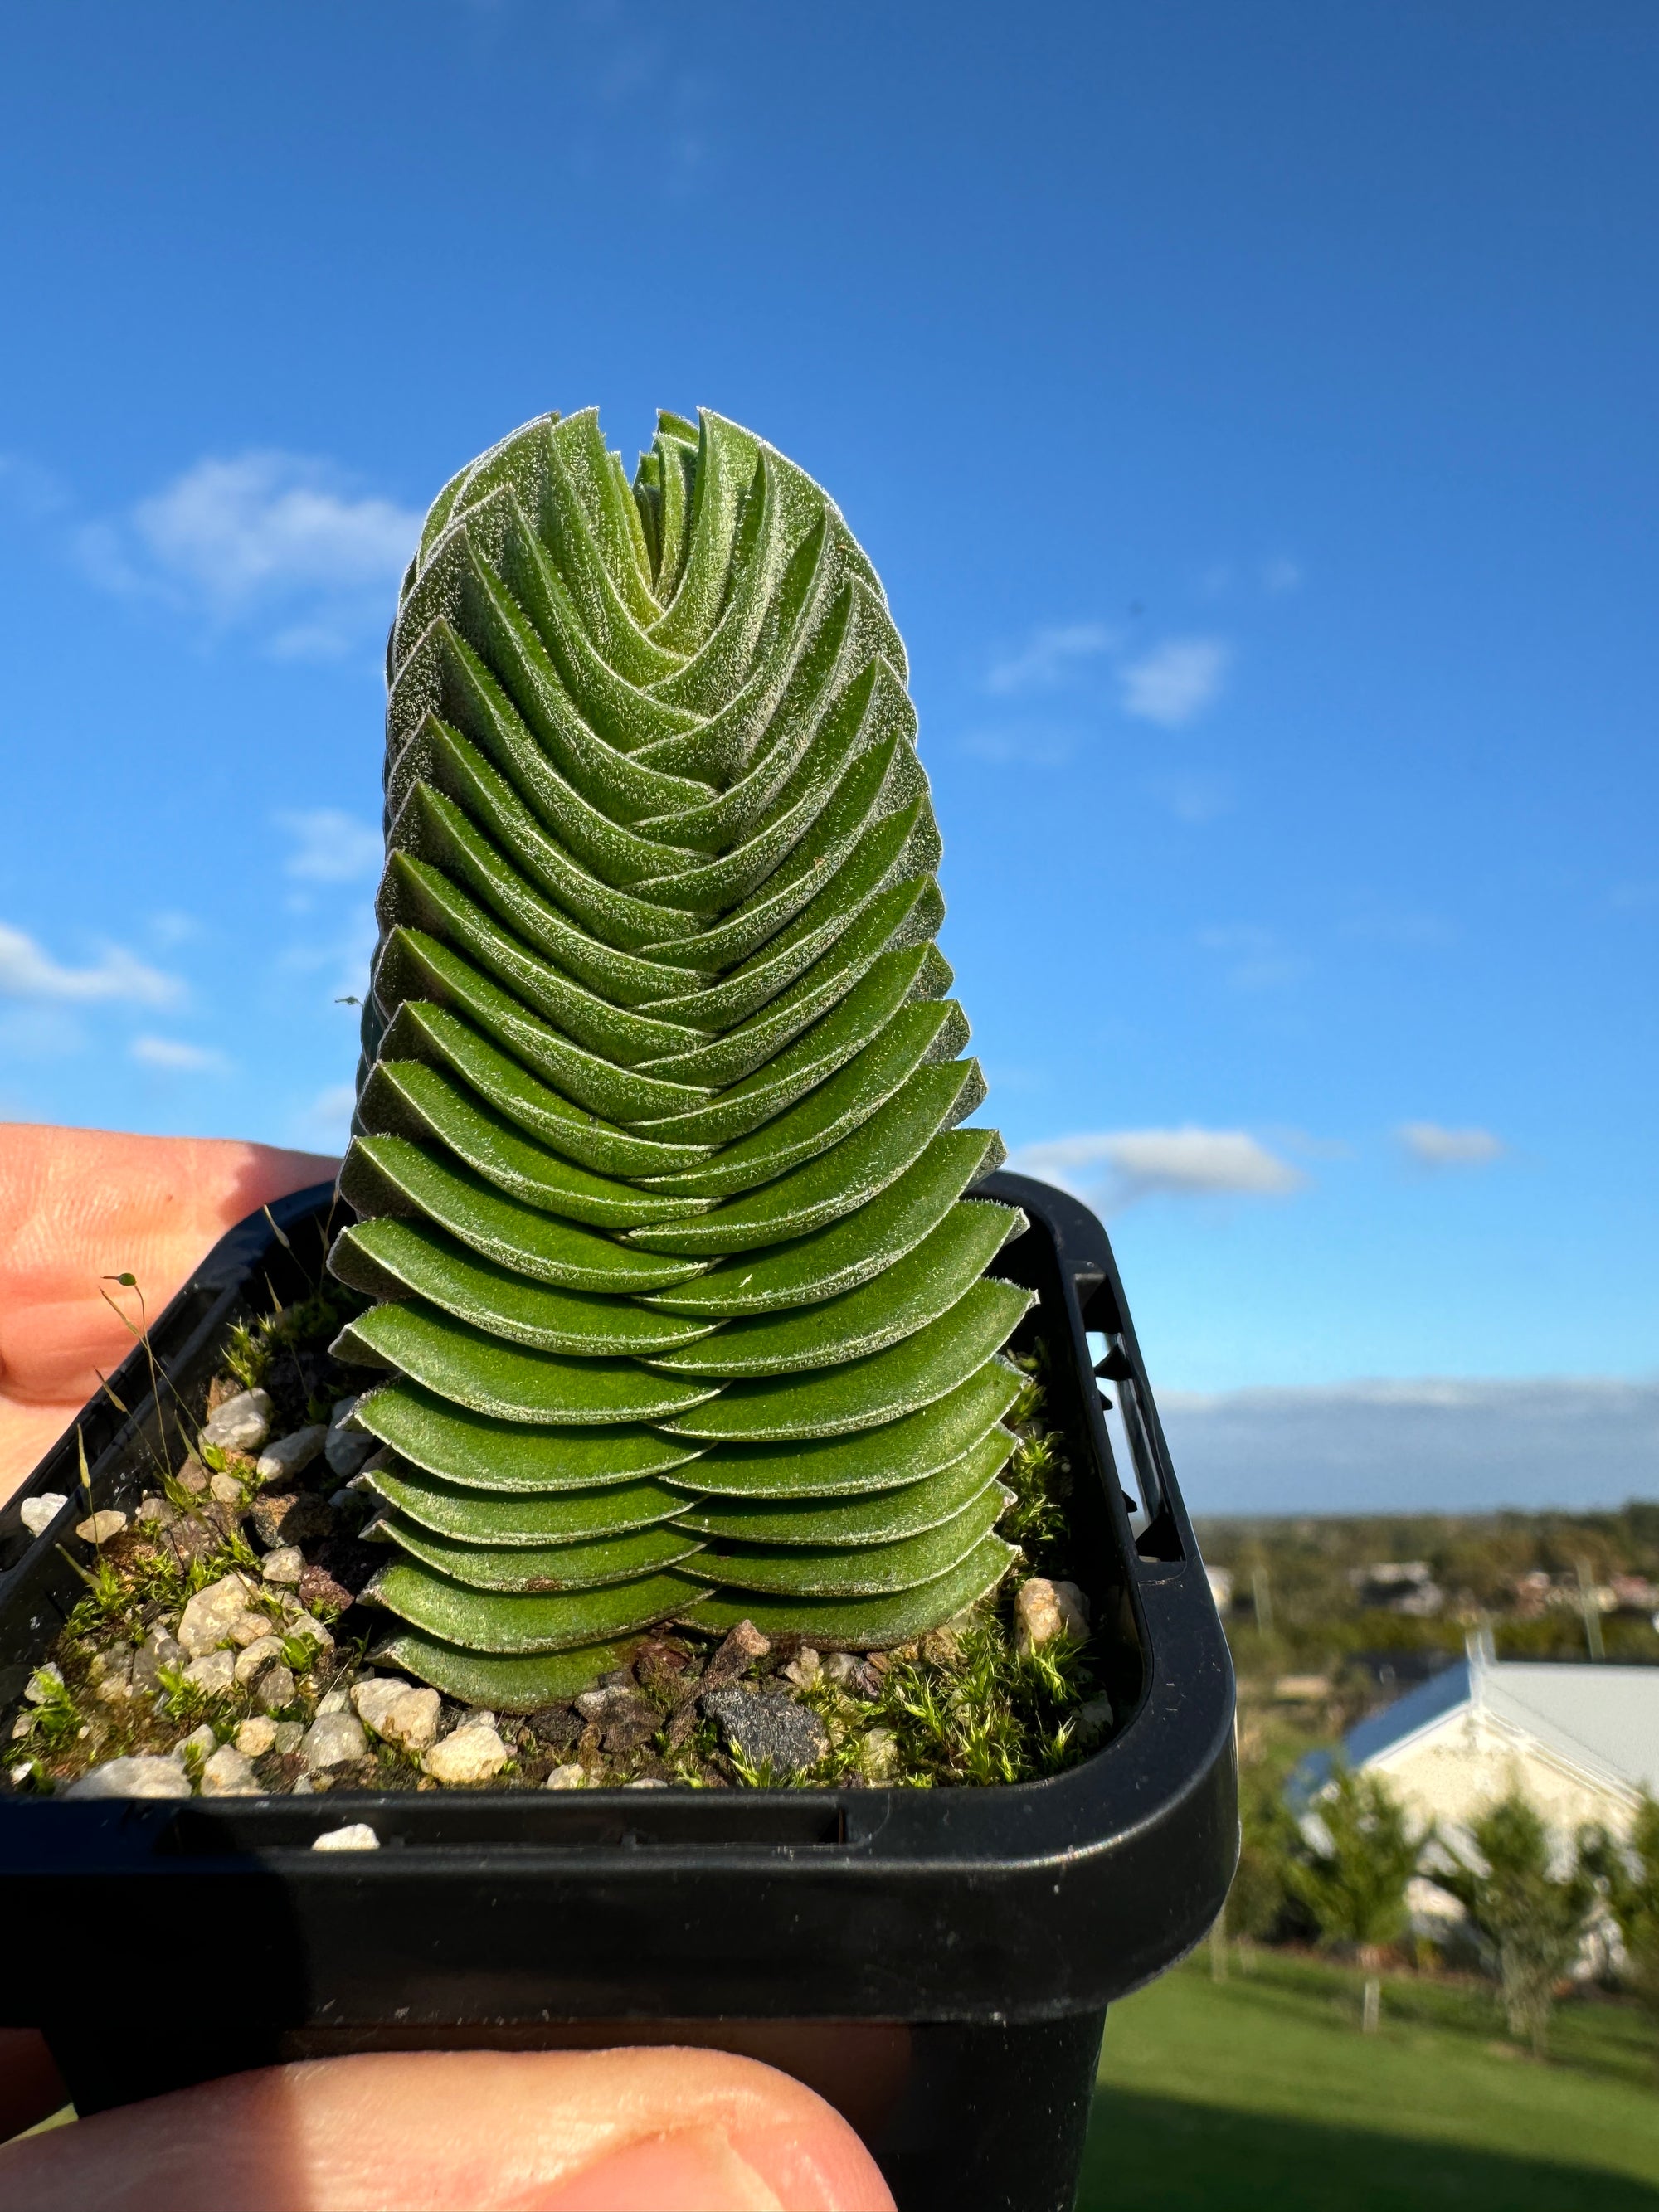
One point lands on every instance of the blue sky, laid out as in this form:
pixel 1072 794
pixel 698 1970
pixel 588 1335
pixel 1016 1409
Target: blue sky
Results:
pixel 1249 411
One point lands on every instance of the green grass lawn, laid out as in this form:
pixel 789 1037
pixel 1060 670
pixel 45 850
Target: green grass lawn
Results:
pixel 1260 2091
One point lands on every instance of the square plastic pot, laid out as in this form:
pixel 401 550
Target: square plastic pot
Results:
pixel 937 1962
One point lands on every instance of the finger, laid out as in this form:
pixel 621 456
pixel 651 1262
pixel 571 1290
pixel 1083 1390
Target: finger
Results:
pixel 31 2087
pixel 79 1204
pixel 678 2130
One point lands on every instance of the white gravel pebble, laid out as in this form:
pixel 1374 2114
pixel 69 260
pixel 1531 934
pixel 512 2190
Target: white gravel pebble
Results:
pixel 220 1614
pixel 241 1423
pixel 398 1711
pixel 99 1527
pixel 251 1662
pixel 333 1740
pixel 214 1673
pixel 567 1778
pixel 289 1454
pixel 229 1774
pixel 255 1736
pixel 1044 1610
pixel 470 1754
pixel 285 1565
pixel 357 1836
pixel 289 1736
pixel 133 1777
pixel 201 1740
pixel 226 1489
pixel 346 1449
pixel 38 1513
pixel 42 1683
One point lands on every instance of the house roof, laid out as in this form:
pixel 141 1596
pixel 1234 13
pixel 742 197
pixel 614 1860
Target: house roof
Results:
pixel 1603 1718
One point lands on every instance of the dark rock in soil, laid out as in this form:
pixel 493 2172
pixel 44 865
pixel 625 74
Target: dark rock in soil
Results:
pixel 556 1726
pixel 767 1725
pixel 628 1721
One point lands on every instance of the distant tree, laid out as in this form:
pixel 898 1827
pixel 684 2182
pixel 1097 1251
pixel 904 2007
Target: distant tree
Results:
pixel 1352 1872
pixel 1630 1878
pixel 1268 1842
pixel 1531 1918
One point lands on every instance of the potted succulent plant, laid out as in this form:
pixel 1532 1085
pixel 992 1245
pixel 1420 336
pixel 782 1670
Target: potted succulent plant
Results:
pixel 672 1395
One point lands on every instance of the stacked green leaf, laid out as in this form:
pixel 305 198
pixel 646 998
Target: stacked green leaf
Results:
pixel 658 1161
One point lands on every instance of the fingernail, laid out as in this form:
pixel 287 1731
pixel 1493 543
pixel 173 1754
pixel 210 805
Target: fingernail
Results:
pixel 693 2170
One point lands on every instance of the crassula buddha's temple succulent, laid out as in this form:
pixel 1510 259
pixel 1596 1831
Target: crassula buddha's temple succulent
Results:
pixel 657 1162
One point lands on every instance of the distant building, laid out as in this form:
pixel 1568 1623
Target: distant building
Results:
pixel 1581 1743
pixel 1397 1586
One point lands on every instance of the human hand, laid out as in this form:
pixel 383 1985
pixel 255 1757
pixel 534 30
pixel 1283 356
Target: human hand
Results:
pixel 632 2131
pixel 77 1205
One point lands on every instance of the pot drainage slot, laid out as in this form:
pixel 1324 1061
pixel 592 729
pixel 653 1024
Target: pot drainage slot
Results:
pixel 671 1821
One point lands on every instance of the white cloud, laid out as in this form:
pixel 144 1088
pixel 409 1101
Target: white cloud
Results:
pixel 1174 681
pixel 1116 1167
pixel 1033 745
pixel 326 1123
pixel 331 848
pixel 1195 798
pixel 1050 657
pixel 1429 1445
pixel 1281 576
pixel 262 536
pixel 1428 1145
pixel 1260 960
pixel 172 1056
pixel 28 972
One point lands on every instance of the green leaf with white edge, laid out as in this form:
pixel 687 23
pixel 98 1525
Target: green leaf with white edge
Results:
pixel 477 1516
pixel 881 1517
pixel 827 1113
pixel 403 1097
pixel 827 1047
pixel 390 1175
pixel 488 1451
pixel 421 1032
pixel 866 1392
pixel 502 1685
pixel 413 964
pixel 913 1292
pixel 898 1451
pixel 392 1258
pixel 471 1367
pixel 807 1270
pixel 590 1564
pixel 861 1624
pixel 503 1620
pixel 858 1570
pixel 845 1178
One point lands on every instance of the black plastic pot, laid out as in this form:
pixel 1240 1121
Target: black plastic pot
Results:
pixel 937 1962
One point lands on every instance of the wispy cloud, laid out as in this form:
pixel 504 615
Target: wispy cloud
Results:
pixel 326 1121
pixel 27 971
pixel 330 847
pixel 1039 745
pixel 1116 1167
pixel 1052 655
pixel 1282 575
pixel 1257 959
pixel 274 540
pixel 1427 1145
pixel 1176 681
pixel 172 1056
pixel 1195 798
